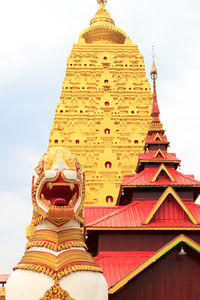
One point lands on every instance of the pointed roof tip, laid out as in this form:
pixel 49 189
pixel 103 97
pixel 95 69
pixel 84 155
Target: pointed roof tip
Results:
pixel 153 69
pixel 102 28
pixel 102 1
pixel 155 109
pixel 102 16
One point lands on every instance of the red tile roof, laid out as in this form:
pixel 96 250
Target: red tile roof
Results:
pixel 120 267
pixel 134 214
pixel 4 278
pixel 93 213
pixel 150 139
pixel 195 210
pixel 145 178
pixel 150 156
pixel 117 265
pixel 131 215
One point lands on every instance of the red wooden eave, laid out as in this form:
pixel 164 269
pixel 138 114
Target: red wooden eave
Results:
pixel 116 265
pixel 145 178
pixel 151 154
pixel 134 214
pixel 150 139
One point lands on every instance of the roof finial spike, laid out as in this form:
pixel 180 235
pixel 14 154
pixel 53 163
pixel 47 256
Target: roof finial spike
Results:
pixel 154 73
pixel 155 109
pixel 102 1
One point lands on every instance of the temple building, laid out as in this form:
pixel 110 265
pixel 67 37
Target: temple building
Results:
pixel 142 225
pixel 104 110
pixel 149 243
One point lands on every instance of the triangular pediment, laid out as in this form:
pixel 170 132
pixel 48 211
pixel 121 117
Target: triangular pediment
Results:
pixel 170 210
pixel 77 78
pixel 157 137
pixel 74 101
pixel 143 125
pixel 92 101
pixel 166 208
pixel 121 101
pixel 159 153
pixel 181 239
pixel 162 173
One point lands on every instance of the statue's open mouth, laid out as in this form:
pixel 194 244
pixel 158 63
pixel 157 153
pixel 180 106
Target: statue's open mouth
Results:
pixel 59 193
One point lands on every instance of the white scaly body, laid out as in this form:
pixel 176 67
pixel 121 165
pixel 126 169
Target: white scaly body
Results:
pixel 80 285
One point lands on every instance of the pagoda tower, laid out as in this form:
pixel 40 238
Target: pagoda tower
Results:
pixel 148 244
pixel 104 110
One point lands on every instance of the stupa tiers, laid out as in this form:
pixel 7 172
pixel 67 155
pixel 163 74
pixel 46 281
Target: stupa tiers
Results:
pixel 148 245
pixel 104 110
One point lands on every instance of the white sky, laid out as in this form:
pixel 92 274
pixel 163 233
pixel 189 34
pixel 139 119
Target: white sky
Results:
pixel 36 37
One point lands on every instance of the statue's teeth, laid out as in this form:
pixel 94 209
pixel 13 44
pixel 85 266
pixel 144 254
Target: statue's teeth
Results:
pixel 71 186
pixel 50 185
pixel 74 197
pixel 42 196
pixel 70 203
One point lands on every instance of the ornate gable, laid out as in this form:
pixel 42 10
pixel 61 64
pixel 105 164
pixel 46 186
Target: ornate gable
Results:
pixel 162 173
pixel 166 208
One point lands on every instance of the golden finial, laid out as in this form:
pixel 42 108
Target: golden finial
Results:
pixel 155 109
pixel 153 69
pixel 102 1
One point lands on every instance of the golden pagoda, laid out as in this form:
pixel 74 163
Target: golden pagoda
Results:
pixel 104 110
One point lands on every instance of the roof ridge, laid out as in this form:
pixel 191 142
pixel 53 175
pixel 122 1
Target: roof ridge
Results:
pixel 188 177
pixel 154 258
pixel 169 190
pixel 131 252
pixel 193 203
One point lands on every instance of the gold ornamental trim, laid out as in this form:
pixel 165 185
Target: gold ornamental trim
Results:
pixel 57 241
pixel 60 274
pixel 58 266
pixel 58 237
pixel 56 293
pixel 55 247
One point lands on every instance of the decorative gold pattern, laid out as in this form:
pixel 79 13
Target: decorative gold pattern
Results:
pixel 56 293
pixel 65 271
pixel 58 266
pixel 57 241
pixel 104 1
pixel 59 274
pixel 48 160
pixel 105 88
pixel 52 246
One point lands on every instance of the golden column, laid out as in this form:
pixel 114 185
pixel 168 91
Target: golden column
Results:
pixel 104 110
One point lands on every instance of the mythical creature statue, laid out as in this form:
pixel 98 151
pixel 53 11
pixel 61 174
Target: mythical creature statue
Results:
pixel 56 264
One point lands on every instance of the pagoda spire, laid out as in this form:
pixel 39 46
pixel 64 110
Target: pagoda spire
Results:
pixel 155 109
pixel 102 16
pixel 156 138
pixel 102 1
